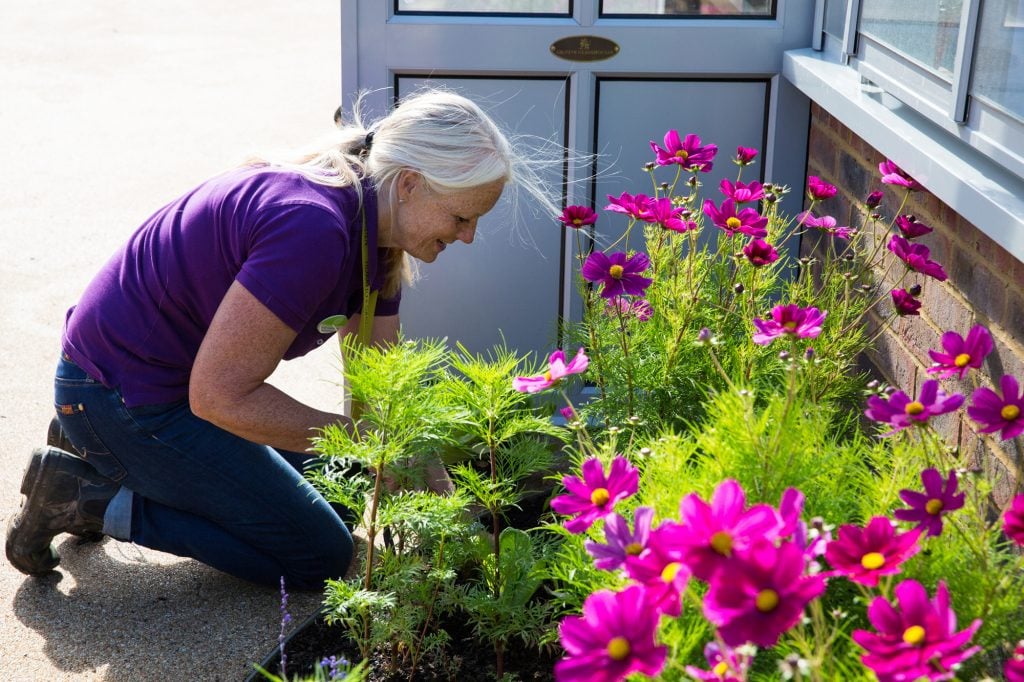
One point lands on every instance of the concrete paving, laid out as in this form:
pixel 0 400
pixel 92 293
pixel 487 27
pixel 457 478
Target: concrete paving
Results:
pixel 109 109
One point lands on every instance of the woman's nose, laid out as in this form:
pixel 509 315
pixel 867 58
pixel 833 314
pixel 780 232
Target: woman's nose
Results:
pixel 467 233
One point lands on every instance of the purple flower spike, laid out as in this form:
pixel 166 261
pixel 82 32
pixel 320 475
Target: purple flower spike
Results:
pixel 927 508
pixel 557 370
pixel 596 495
pixel 761 595
pixel 688 153
pixel 917 257
pixel 619 273
pixel 622 542
pixel 910 228
pixel 916 640
pixel 746 220
pixel 894 175
pixel 760 253
pixel 899 411
pixel 789 320
pixel 1003 413
pixel 864 555
pixel 1013 520
pixel 905 303
pixel 578 216
pixel 613 638
pixel 818 189
pixel 1014 668
pixel 961 354
pixel 742 192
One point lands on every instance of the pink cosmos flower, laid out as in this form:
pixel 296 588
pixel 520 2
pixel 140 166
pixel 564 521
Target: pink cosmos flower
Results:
pixel 662 212
pixel 711 534
pixel 621 541
pixel 631 205
pixel 578 216
pixel 894 175
pixel 1014 669
pixel 910 228
pixel 595 495
pixel 864 555
pixel 760 595
pixel 927 508
pixel 918 639
pixel 1013 520
pixel 874 199
pixel 659 568
pixel 1003 413
pixel 742 192
pixel 759 253
pixel 726 665
pixel 640 308
pixel 826 224
pixel 789 320
pixel 899 411
pixel 917 257
pixel 961 353
pixel 567 413
pixel 746 220
pixel 744 156
pixel 688 153
pixel 619 273
pixel 557 370
pixel 905 303
pixel 613 638
pixel 818 189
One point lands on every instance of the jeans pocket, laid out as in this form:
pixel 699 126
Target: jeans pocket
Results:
pixel 76 425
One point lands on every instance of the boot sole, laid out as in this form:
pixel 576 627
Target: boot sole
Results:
pixel 47 557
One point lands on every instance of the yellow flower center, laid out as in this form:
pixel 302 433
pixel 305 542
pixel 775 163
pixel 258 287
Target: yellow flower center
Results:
pixel 633 548
pixel 914 408
pixel 789 326
pixel 1009 412
pixel 766 600
pixel 720 669
pixel 962 360
pixel 577 221
pixel 721 542
pixel 547 376
pixel 872 561
pixel 933 506
pixel 615 271
pixel 733 223
pixel 668 574
pixel 618 648
pixel 599 496
pixel 682 154
pixel 914 635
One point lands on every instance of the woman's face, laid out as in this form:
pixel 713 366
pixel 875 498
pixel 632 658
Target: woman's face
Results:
pixel 425 222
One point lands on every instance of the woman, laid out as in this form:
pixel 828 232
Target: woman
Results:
pixel 161 388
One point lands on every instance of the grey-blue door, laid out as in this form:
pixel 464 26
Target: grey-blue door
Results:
pixel 713 75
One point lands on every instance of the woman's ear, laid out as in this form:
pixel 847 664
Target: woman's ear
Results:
pixel 408 181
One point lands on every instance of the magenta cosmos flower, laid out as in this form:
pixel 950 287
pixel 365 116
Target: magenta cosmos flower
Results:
pixel 894 175
pixel 904 302
pixel 916 640
pixel 595 495
pixel 659 568
pixel 632 205
pixel 789 320
pixel 826 224
pixel 818 189
pixel 744 156
pixel 927 508
pixel 746 220
pixel 640 308
pixel 864 555
pixel 612 639
pixel 742 192
pixel 910 228
pixel 726 665
pixel 760 595
pixel 760 253
pixel 688 152
pixel 578 216
pixel 1014 668
pixel 1013 520
pixel 917 257
pixel 662 212
pixel 899 411
pixel 710 534
pixel 621 541
pixel 1003 413
pixel 619 273
pixel 961 354
pixel 557 370
pixel 873 199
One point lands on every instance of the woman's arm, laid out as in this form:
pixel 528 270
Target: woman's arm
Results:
pixel 385 329
pixel 243 346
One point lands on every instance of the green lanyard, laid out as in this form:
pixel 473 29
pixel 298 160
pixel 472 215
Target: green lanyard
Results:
pixel 369 297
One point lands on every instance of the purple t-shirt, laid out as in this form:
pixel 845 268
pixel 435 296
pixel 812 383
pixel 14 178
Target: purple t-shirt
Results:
pixel 294 244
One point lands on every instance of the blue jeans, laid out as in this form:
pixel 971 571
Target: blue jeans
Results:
pixel 195 490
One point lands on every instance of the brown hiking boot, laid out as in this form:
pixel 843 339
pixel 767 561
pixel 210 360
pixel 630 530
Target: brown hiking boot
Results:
pixel 63 494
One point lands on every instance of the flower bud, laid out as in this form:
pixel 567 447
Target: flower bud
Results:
pixel 914 290
pixel 649 166
pixel 784 355
pixel 809 354
pixel 874 199
pixel 738 287
pixel 770 197
pixel 704 335
pixel 876 216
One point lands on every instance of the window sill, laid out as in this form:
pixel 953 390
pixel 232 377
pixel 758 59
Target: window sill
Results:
pixel 983 192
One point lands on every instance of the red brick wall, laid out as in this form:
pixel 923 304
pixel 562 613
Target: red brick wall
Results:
pixel 985 286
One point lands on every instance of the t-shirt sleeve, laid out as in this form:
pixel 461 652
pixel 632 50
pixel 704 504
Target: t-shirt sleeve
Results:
pixel 295 257
pixel 387 306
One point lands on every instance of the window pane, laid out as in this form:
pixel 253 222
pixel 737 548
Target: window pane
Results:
pixel 688 7
pixel 835 17
pixel 486 6
pixel 923 30
pixel 999 56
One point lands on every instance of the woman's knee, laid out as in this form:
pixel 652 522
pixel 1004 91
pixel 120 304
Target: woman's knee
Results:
pixel 330 558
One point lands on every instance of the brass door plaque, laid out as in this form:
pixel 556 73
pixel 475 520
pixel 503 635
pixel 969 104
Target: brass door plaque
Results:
pixel 584 48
